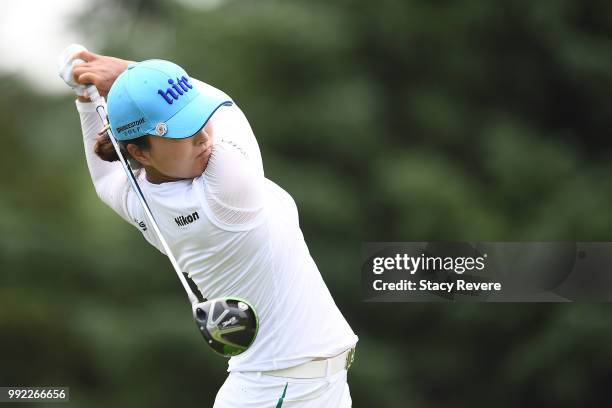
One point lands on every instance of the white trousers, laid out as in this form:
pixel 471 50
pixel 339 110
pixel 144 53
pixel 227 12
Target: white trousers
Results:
pixel 256 390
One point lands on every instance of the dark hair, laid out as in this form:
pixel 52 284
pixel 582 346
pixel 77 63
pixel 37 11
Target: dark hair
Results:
pixel 106 151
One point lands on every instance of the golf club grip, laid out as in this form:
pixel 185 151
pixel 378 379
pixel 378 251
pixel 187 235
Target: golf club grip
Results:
pixel 190 288
pixel 93 93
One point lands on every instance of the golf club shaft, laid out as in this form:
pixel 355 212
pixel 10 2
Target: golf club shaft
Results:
pixel 101 110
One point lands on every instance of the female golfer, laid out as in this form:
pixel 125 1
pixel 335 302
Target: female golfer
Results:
pixel 232 230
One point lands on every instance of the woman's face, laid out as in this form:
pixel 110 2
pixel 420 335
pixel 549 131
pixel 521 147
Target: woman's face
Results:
pixel 178 158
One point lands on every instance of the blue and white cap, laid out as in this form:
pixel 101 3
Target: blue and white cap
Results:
pixel 157 97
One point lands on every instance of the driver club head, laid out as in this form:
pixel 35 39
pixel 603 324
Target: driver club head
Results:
pixel 229 325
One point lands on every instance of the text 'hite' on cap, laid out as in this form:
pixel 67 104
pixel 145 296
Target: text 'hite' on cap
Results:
pixel 157 97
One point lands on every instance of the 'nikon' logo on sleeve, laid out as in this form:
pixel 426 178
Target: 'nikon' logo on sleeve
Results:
pixel 182 220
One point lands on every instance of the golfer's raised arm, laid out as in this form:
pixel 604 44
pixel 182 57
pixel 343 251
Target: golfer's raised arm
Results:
pixel 230 124
pixel 232 189
pixel 109 179
pixel 233 179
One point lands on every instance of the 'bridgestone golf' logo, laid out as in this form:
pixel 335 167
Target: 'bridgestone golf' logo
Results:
pixel 130 125
pixel 181 220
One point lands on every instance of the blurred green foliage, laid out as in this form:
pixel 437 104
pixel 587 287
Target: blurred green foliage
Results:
pixel 386 121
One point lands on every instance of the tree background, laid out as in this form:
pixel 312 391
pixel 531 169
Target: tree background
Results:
pixel 386 121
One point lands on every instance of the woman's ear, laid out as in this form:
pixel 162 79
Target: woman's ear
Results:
pixel 141 155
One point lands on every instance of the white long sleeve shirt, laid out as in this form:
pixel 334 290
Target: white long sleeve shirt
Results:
pixel 235 233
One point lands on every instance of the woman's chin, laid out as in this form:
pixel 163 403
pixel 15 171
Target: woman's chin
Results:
pixel 204 159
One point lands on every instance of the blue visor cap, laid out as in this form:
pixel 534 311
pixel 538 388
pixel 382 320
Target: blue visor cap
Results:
pixel 157 97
